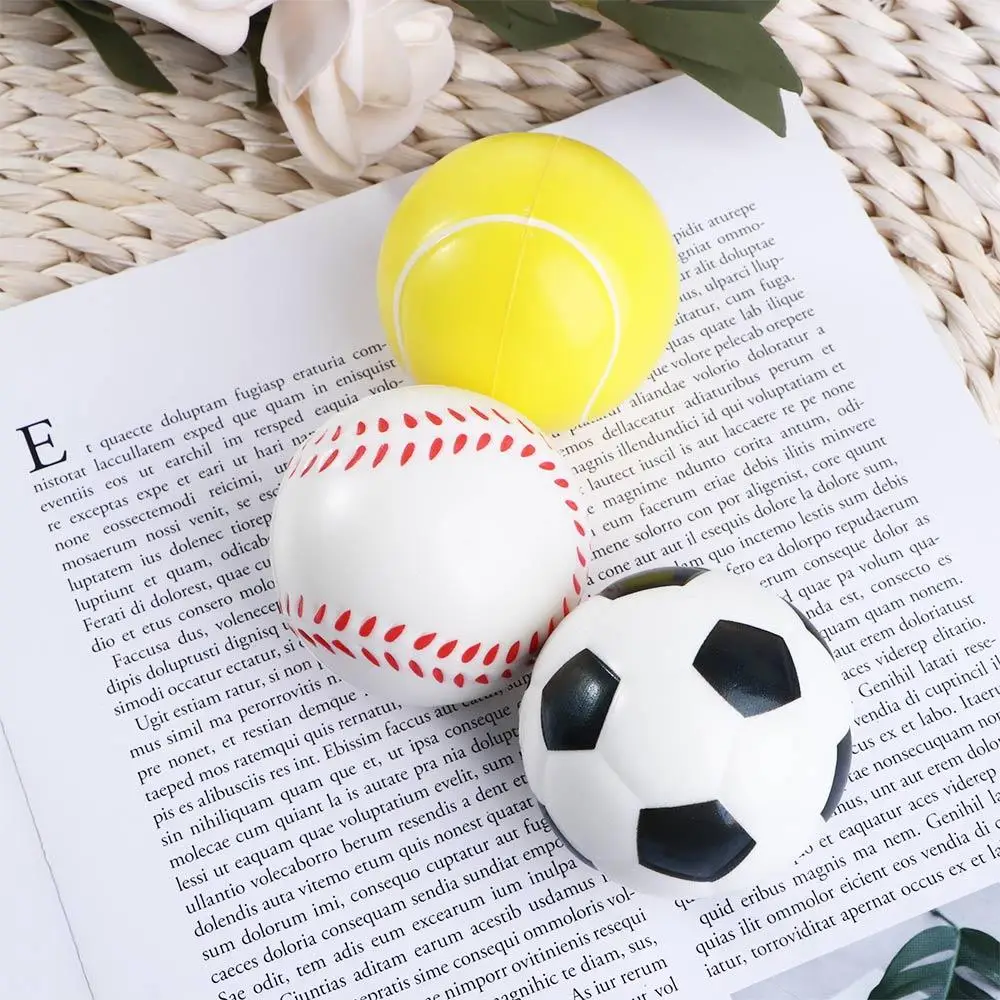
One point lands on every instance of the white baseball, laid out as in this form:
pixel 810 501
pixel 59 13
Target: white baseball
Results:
pixel 425 542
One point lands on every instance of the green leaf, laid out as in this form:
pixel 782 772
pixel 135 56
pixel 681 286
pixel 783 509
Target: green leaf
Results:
pixel 493 13
pixel 121 53
pixel 962 989
pixel 757 9
pixel 759 100
pixel 523 32
pixel 911 972
pixel 533 10
pixel 254 40
pixel 980 952
pixel 731 41
pixel 94 9
pixel 901 984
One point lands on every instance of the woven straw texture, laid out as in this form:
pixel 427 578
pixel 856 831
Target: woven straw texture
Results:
pixel 95 178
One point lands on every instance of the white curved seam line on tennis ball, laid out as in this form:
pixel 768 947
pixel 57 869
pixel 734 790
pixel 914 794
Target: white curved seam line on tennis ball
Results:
pixel 478 220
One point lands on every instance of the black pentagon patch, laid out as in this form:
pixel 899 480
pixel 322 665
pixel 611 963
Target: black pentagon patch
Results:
pixel 649 579
pixel 575 702
pixel 839 776
pixel 562 836
pixel 810 628
pixel 749 667
pixel 699 843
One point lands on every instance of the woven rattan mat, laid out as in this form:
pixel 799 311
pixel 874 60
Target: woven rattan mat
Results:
pixel 95 178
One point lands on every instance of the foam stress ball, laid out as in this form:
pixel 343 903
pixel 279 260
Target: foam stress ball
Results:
pixel 425 542
pixel 686 733
pixel 532 268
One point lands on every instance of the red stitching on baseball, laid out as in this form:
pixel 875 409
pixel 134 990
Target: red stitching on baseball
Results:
pixel 395 632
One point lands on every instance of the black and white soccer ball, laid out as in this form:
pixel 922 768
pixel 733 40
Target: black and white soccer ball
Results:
pixel 686 732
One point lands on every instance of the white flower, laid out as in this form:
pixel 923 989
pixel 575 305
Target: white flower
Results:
pixel 219 25
pixel 351 77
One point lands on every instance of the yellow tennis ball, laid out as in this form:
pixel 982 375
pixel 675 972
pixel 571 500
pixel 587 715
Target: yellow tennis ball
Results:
pixel 534 269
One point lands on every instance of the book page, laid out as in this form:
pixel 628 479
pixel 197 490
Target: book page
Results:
pixel 807 430
pixel 261 825
pixel 39 955
pixel 226 819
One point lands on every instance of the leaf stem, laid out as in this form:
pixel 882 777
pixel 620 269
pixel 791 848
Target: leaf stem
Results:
pixel 941 916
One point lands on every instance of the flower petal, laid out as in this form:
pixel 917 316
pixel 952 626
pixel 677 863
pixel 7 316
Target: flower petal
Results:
pixel 386 67
pixel 377 130
pixel 247 6
pixel 332 121
pixel 350 60
pixel 302 39
pixel 298 119
pixel 431 66
pixel 221 31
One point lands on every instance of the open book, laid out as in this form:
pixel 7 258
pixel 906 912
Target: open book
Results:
pixel 194 809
